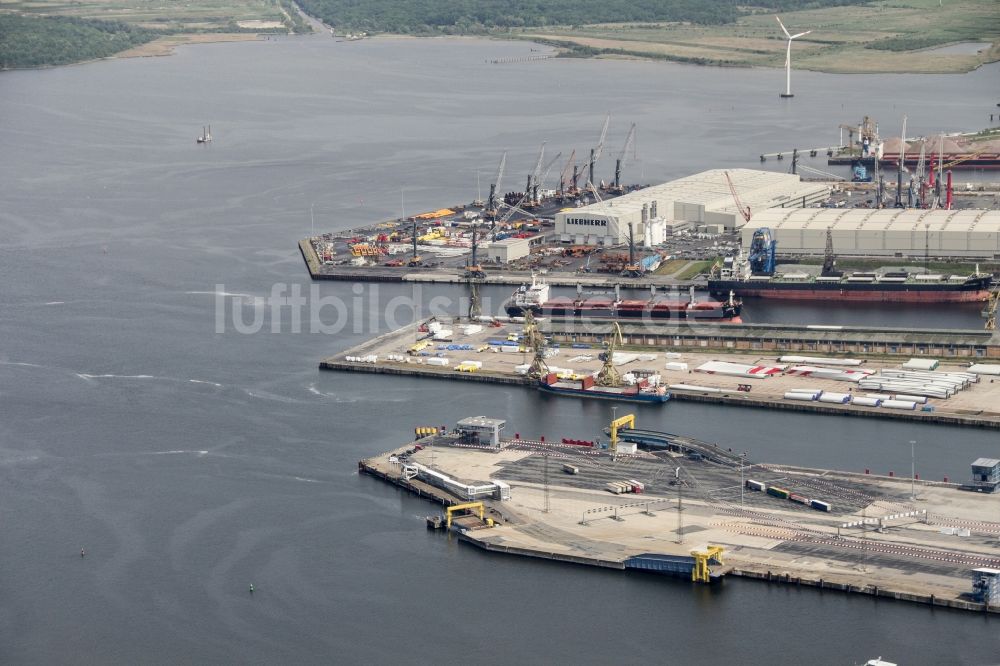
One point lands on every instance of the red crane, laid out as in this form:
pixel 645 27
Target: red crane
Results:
pixel 744 210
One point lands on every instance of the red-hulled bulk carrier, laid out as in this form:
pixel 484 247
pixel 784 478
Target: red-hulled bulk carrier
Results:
pixel 535 298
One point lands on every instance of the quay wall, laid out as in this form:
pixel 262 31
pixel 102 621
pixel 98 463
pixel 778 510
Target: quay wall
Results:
pixel 744 571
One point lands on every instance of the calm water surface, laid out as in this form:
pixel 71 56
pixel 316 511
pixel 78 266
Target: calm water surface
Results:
pixel 190 463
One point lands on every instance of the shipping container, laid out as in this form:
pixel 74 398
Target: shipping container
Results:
pixel 819 506
pixel 778 492
pixel 571 469
pixel 798 498
pixel 755 485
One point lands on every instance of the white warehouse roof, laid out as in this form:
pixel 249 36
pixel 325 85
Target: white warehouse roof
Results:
pixel 887 231
pixel 704 198
pixel 757 189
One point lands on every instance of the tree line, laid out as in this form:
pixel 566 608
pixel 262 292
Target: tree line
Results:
pixel 37 41
pixel 481 16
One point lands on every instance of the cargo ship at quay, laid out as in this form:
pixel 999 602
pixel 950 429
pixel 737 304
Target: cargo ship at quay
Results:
pixel 536 298
pixel 736 277
pixel 898 287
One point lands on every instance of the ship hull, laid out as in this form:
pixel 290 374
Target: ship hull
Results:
pixel 726 314
pixel 603 394
pixel 976 292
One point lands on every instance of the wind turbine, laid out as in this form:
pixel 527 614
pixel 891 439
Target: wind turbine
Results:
pixel 788 58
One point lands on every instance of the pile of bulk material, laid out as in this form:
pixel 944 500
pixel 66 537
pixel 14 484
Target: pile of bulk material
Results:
pixel 739 369
pixel 911 385
pixel 836 374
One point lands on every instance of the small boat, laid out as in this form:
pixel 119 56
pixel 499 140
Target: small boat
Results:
pixel 206 135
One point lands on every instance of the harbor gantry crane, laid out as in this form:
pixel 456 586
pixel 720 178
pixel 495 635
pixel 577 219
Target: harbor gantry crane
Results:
pixel 473 270
pixel 991 309
pixel 565 184
pixel 899 172
pixel 629 143
pixel 609 375
pixel 536 197
pixel 535 173
pixel 491 202
pixel 595 153
pixel 534 341
pixel 921 174
pixel 633 269
pixel 829 258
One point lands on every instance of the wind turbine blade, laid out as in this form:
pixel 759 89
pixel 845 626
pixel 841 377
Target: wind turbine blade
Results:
pixel 783 27
pixel 801 34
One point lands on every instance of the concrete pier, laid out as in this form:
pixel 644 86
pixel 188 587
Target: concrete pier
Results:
pixel 902 553
pixel 978 406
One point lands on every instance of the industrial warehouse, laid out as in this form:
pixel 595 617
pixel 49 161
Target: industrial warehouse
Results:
pixel 701 202
pixel 887 232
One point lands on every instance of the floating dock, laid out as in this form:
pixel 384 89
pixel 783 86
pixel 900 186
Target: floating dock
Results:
pixel 871 538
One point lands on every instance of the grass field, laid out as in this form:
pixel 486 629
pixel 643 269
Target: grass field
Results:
pixel 695 268
pixel 878 37
pixel 175 22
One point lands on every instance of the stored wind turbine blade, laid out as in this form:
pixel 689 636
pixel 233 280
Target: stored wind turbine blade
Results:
pixel 783 27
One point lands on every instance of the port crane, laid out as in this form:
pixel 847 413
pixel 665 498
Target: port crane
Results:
pixel 534 341
pixel 621 423
pixel 629 143
pixel 535 199
pixel 595 153
pixel 609 375
pixel 532 185
pixel 744 210
pixel 632 270
pixel 473 270
pixel 564 176
pixel 491 202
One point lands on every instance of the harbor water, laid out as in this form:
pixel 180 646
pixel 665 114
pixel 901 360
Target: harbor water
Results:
pixel 191 454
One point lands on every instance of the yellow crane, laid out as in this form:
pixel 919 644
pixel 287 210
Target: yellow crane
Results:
pixel 609 375
pixel 702 558
pixel 468 506
pixel 991 310
pixel 627 421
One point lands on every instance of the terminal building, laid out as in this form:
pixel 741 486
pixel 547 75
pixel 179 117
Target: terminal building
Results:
pixel 702 202
pixel 887 232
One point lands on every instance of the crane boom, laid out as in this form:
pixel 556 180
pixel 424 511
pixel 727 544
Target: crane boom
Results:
pixel 621 157
pixel 547 168
pixel 564 175
pixel 600 143
pixel 744 210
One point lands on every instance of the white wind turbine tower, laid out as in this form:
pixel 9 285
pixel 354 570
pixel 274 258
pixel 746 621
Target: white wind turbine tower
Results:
pixel 788 58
